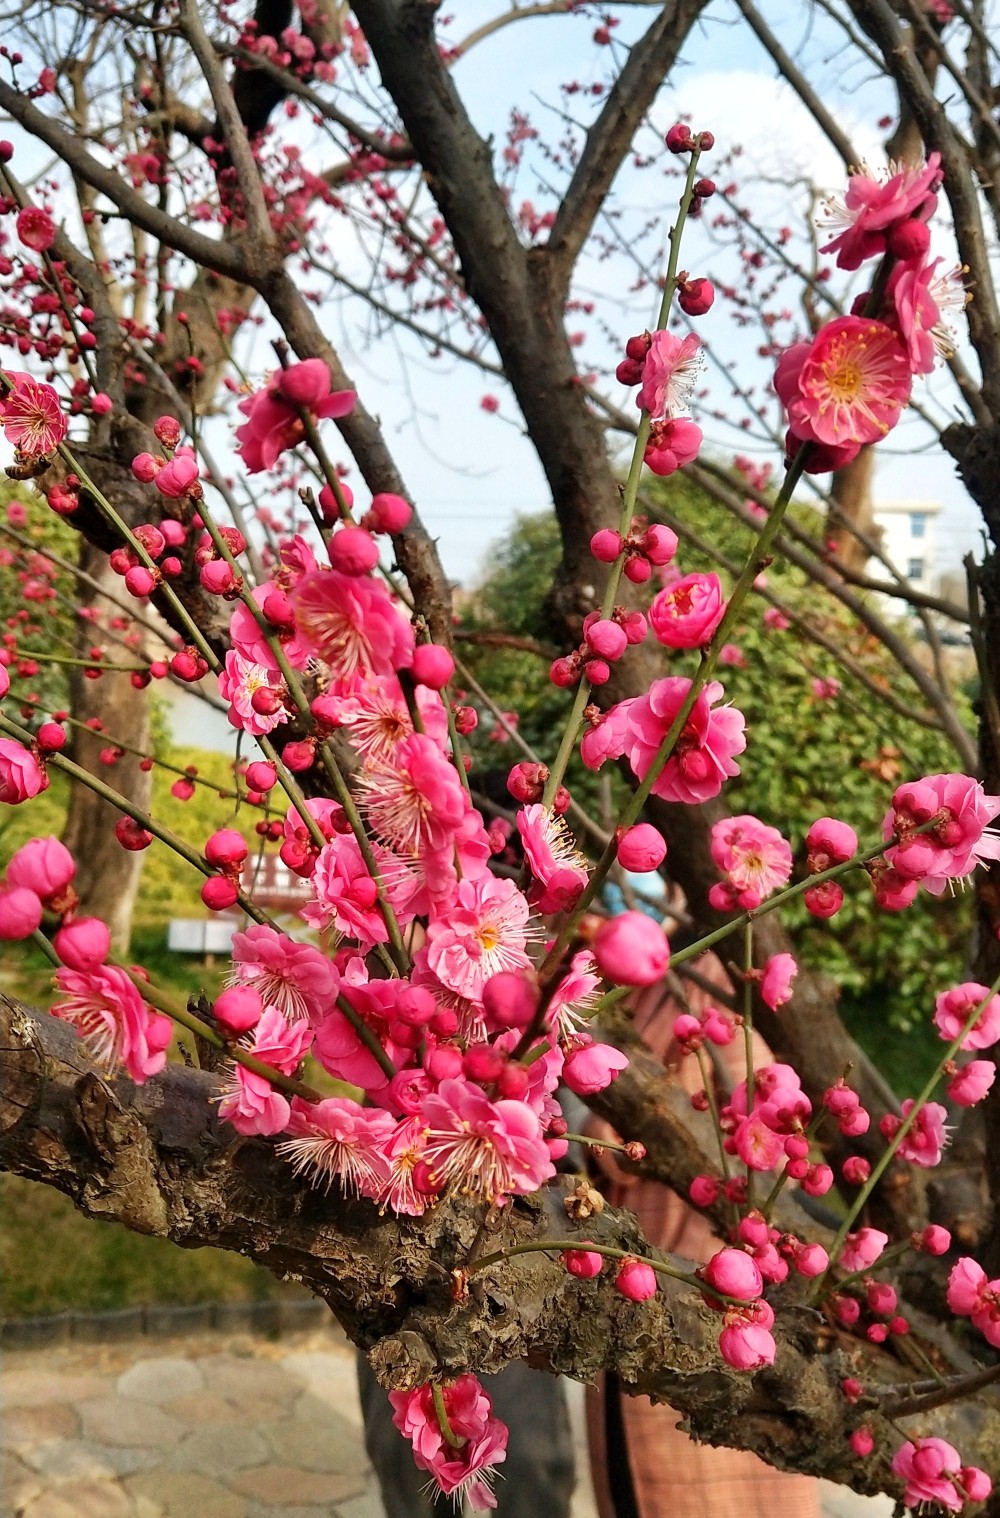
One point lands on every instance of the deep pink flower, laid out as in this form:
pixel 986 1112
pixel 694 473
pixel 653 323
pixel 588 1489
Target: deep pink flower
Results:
pixel 830 842
pixel 35 228
pixel 414 800
pixel 758 1145
pixel 31 416
pixel 672 444
pixel 346 894
pixel 776 982
pixel 466 1473
pixel 703 754
pixel 83 943
pixel 920 297
pixel 746 1341
pixel 928 1136
pixel 929 1467
pixel 482 1148
pixel 862 1248
pixel 636 1280
pixel 20 913
pixel 273 423
pixel 175 479
pixel 632 950
pixel 555 861
pixel 669 374
pixel 42 865
pixel 591 1067
pixel 238 682
pixel 352 623
pixel 294 977
pixel 686 614
pixel 952 1010
pixel 873 205
pixel 967 1286
pixel 249 1101
pixel 337 1139
pixel 959 839
pixel 848 386
pixel 113 1021
pixel 733 1273
pixel 607 739
pixel 972 1082
pixel 21 776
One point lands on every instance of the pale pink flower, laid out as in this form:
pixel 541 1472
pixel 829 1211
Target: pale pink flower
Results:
pixel 591 1067
pixel 464 1474
pixel 481 1148
pixel 249 1102
pixel 294 977
pixel 375 715
pixel 952 1010
pixel 686 614
pixel 21 776
pixel 575 998
pixel 672 444
pixel 927 1138
pixel 555 861
pixel 703 754
pixel 669 374
pixel 346 1056
pixel 960 810
pixel 930 1468
pixel 872 205
pixel 273 422
pixel 337 1139
pixel 776 982
pixel 848 386
pixel 972 1082
pixel 755 858
pixel 31 416
pixel 775 620
pixel 862 1248
pixel 352 623
pixel 250 643
pixel 112 1020
pixel 481 933
pixel 967 1287
pixel 237 683
pixel 607 739
pixel 414 801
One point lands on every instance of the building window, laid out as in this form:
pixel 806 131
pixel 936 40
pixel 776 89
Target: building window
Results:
pixel 915 569
pixel 918 524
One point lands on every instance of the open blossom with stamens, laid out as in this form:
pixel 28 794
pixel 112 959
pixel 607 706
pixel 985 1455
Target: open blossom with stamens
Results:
pixel 238 682
pixel 352 623
pixel 31 416
pixel 574 1000
pixel 402 1151
pixel 933 1472
pixel 337 1139
pixel 294 977
pixel 754 857
pixel 112 1020
pixel 669 374
pixel 848 386
pixel 479 934
pixel 482 1148
pixel 376 716
pixel 249 1101
pixel 415 803
pixel 927 1138
pixel 703 755
pixel 273 415
pixel 346 894
pixel 922 299
pixel 874 203
pixel 464 1473
pixel 249 642
pixel 556 863
pixel 958 838
pixel 953 1008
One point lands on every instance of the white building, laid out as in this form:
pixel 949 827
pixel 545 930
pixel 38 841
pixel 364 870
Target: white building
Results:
pixel 908 531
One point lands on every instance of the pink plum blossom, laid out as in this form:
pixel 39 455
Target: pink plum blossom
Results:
pixel 686 613
pixel 848 386
pixel 669 374
pixel 294 977
pixel 704 752
pixel 776 981
pixel 31 416
pixel 352 623
pixel 591 1067
pixel 482 932
pixel 959 811
pixel 862 1248
pixel 250 1102
pixel 482 1148
pixel 555 861
pixel 238 682
pixel 930 1468
pixel 954 1008
pixel 972 1083
pixel 875 203
pixel 754 857
pixel 21 776
pixel 928 1136
pixel 632 950
pixel 672 444
pixel 113 1021
pixel 746 1341
pixel 337 1139
pixel 459 1473
pixel 273 422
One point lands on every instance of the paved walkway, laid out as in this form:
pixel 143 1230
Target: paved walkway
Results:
pixel 216 1427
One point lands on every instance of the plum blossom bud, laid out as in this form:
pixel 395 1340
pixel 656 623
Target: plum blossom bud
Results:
pixel 167 430
pixel 83 944
pixel 131 835
pixel 632 950
pixel 592 1067
pixel 217 577
pixel 696 296
pixel 299 756
pixel 704 1190
pixel 606 638
pixel 238 1009
pixel 659 544
pixel 21 776
pixel 585 1263
pixel 934 1240
pixel 909 240
pixel 42 865
pixel 824 900
pixel 811 1260
pixel 353 551
pixel 261 776
pixel 606 546
pixel 636 1281
pixel 175 479
pixel 390 513
pixel 510 999
pixel 219 893
pixel 51 737
pixel 563 673
pixel 641 848
pixel 597 672
pixel 862 1442
pixel 679 138
pixel 733 1273
pixel 830 842
pixel 637 347
pixel 433 665
pixel 226 849
pixel 846 1310
pixel 975 1483
pixel 629 372
pixel 20 914
pixel 145 467
pixel 856 1170
pixel 636 569
pixel 140 581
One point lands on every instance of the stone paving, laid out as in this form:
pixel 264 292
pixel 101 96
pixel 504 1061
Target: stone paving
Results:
pixel 214 1427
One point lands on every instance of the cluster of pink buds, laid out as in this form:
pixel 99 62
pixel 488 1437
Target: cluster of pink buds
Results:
pixel 844 1105
pixel 645 549
pixel 828 843
pixel 65 498
pixel 226 851
pixel 188 665
pixel 605 639
pixel 157 542
pixel 526 783
pixel 217 576
pixel 175 476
